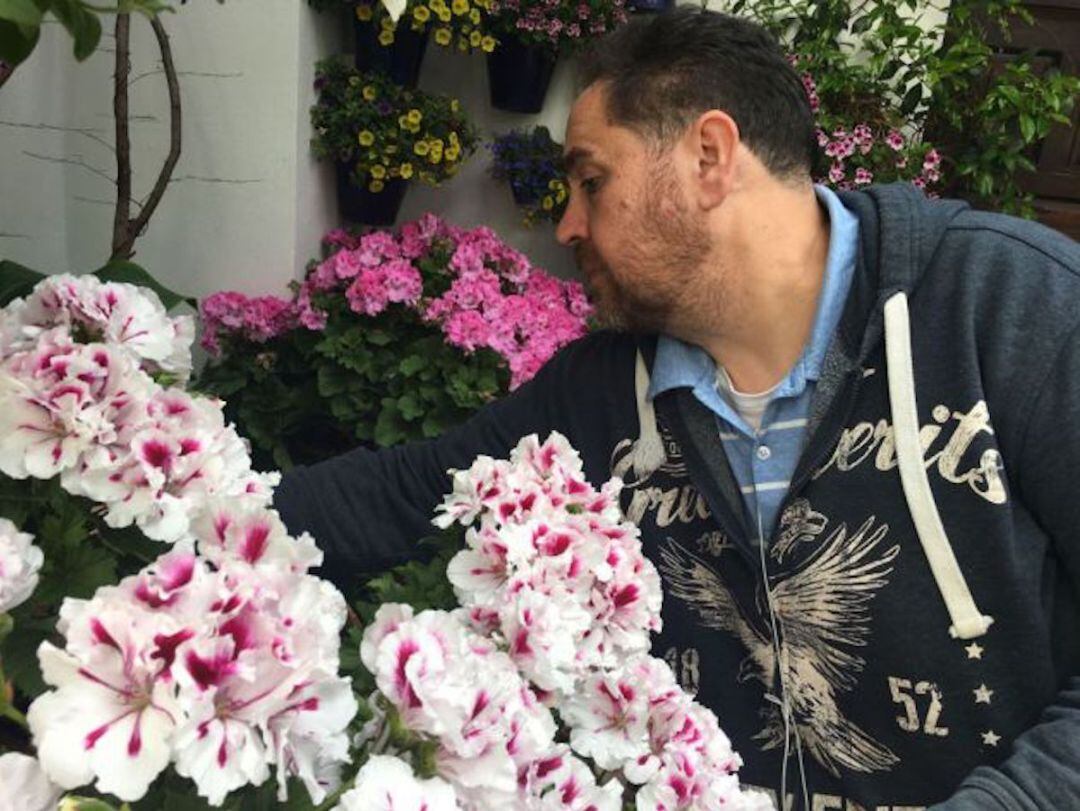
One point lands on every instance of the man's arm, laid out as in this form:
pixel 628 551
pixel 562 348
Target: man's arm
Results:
pixel 1042 773
pixel 367 509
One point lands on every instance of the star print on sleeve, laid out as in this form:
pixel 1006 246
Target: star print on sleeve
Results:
pixel 990 738
pixel 982 694
pixel 974 651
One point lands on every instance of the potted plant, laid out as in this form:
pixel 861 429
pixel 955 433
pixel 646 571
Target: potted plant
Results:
pixel 529 161
pixel 382 135
pixel 393 37
pixel 393 336
pixel 532 33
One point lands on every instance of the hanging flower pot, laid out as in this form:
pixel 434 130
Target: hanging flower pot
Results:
pixel 380 134
pixel 650 6
pixel 401 59
pixel 359 204
pixel 519 75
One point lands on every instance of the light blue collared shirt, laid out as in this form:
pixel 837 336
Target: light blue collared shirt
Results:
pixel 763 461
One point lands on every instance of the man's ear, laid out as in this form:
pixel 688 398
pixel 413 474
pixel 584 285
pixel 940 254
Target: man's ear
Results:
pixel 715 143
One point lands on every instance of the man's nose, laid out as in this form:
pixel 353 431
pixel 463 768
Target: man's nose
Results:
pixel 571 227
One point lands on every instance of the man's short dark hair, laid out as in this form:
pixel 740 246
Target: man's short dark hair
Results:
pixel 664 70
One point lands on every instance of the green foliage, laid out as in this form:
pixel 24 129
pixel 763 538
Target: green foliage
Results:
pixel 884 61
pixel 384 131
pixel 374 380
pixel 21 20
pixel 16 281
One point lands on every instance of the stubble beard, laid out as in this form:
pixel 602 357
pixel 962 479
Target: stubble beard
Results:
pixel 665 258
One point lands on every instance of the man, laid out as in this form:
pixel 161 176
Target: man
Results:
pixel 852 450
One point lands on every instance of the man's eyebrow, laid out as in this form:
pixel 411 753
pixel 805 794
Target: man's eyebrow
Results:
pixel 574 157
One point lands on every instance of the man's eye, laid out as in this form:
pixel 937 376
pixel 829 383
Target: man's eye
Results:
pixel 590 185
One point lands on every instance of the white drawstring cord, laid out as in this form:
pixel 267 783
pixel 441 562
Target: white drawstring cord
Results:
pixel 967 621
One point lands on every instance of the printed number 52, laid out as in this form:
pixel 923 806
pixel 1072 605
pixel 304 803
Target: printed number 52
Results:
pixel 901 690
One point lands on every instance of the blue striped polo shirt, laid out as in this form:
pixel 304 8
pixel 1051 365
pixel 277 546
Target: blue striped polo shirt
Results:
pixel 763 460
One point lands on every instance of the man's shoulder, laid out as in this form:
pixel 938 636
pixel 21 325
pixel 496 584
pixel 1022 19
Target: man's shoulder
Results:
pixel 1004 238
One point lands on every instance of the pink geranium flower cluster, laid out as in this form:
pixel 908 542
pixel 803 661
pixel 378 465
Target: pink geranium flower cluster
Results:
pixel 256 319
pixel 550 566
pixel 477 290
pixel 558 602
pixel 864 153
pixel 221 657
pixel 223 671
pixel 122 315
pixel 88 413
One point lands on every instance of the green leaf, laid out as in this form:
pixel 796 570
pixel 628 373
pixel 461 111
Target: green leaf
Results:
pixel 389 429
pixel 16 280
pixel 412 364
pixel 17 42
pixel 862 24
pixel 378 337
pixel 20 659
pixel 129 272
pixel 911 100
pixel 1027 128
pixel 23 12
pixel 83 25
pixel 410 407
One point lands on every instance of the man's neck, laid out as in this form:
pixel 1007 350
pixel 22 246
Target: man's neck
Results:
pixel 775 253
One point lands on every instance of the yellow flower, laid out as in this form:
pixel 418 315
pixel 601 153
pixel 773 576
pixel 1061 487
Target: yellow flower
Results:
pixel 378 171
pixel 444 14
pixel 487 44
pixel 554 184
pixel 437 5
pixel 548 203
pixel 474 39
pixel 414 116
pixel 403 122
pixel 452 153
pixel 364 13
pixel 437 143
pixel 460 7
pixel 370 92
pixel 436 155
pixel 366 138
pixel 386 37
pixel 406 170
pixel 421 148
pixel 452 138
pixel 390 149
pixel 387 23
pixel 354 81
pixel 421 14
pixel 454 105
pixel 376 186
pixel 474 16
pixel 442 35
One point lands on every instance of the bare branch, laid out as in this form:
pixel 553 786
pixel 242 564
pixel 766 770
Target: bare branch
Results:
pixel 124 251
pixel 122 215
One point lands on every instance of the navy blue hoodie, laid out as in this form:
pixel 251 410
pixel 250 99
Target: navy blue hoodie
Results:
pixel 910 635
